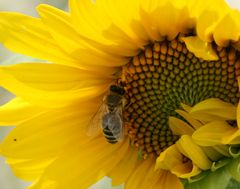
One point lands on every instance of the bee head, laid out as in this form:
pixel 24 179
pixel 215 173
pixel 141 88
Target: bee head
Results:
pixel 117 89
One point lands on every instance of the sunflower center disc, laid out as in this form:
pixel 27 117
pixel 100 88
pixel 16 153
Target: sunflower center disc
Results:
pixel 166 74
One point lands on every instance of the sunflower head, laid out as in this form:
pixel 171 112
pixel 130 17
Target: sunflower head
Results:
pixel 145 92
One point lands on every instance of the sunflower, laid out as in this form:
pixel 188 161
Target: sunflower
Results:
pixel 178 64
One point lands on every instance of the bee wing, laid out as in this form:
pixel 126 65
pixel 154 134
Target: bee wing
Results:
pixel 95 123
pixel 114 122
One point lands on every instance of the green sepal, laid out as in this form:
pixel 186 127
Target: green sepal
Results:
pixel 234 151
pixel 233 184
pixel 214 180
pixel 198 177
pixel 221 163
pixel 234 168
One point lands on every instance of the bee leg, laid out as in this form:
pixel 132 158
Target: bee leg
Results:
pixel 117 73
pixel 126 103
pixel 104 100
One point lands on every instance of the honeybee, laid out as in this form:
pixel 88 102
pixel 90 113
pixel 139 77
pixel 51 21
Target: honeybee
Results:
pixel 109 116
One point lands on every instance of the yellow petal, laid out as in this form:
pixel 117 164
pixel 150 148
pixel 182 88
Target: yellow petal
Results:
pixel 208 16
pixel 174 12
pixel 136 178
pixel 124 27
pixel 29 169
pixel 139 179
pixel 168 180
pixel 200 48
pixel 54 77
pixel 205 25
pixel 101 28
pixel 91 26
pixel 232 136
pixel 211 134
pixel 86 14
pixel 62 32
pixel 180 127
pixel 197 7
pixel 59 98
pixel 28 36
pixel 125 168
pixel 223 36
pixel 89 20
pixel 88 163
pixel 150 25
pixel 194 123
pixel 186 107
pixel 214 109
pixel 191 150
pixel 17 111
pixel 186 170
pixel 169 158
pixel 59 25
pixel 49 133
pixel 177 15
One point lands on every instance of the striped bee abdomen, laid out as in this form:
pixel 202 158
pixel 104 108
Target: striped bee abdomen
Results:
pixel 112 127
pixel 109 136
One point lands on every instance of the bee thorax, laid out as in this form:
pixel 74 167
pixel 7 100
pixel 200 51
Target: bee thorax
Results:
pixel 113 101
